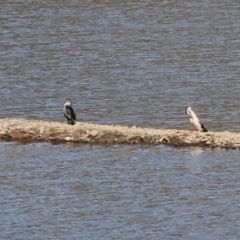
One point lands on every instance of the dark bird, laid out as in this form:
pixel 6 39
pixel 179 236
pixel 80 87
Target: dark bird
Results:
pixel 194 120
pixel 69 113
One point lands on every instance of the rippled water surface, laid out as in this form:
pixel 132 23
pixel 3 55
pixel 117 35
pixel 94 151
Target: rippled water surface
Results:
pixel 127 63
pixel 130 63
pixel 70 192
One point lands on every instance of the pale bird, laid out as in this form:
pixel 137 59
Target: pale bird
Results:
pixel 195 121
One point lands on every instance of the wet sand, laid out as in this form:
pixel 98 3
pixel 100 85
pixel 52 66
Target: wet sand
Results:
pixel 24 130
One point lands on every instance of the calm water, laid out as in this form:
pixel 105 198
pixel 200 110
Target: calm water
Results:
pixel 130 63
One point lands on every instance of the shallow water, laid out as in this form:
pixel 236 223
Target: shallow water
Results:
pixel 130 63
pixel 70 192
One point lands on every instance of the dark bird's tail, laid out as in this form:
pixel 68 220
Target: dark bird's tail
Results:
pixel 203 128
pixel 71 121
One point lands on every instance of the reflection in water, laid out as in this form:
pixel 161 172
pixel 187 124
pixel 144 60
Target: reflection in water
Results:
pixel 195 151
pixel 195 159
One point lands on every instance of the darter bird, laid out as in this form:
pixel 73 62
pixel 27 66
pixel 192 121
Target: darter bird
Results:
pixel 194 120
pixel 69 113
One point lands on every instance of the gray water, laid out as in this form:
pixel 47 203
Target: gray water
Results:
pixel 125 63
pixel 69 192
pixel 129 63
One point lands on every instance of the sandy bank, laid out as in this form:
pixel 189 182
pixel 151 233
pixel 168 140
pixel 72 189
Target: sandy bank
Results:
pixel 35 130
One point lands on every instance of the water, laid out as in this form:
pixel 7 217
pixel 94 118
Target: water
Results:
pixel 130 63
pixel 125 63
pixel 69 192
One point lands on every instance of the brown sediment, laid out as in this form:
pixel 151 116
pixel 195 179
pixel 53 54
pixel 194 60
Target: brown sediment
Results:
pixel 24 130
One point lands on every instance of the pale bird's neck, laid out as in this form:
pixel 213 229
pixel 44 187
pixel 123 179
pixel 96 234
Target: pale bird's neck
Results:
pixel 67 104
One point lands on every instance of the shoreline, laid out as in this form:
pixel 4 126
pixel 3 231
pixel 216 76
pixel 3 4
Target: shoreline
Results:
pixel 27 131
